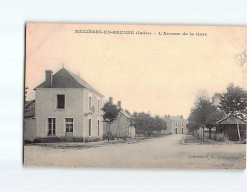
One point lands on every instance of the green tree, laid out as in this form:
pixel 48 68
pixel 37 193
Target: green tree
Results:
pixel 234 101
pixel 111 112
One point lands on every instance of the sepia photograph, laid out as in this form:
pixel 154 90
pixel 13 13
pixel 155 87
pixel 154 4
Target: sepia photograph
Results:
pixel 135 96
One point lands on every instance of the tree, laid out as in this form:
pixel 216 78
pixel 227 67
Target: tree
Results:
pixel 203 114
pixel 145 123
pixel 160 124
pixel 234 101
pixel 213 118
pixel 111 112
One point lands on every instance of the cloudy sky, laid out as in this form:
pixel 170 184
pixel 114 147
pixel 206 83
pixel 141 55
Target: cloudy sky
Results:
pixel 156 73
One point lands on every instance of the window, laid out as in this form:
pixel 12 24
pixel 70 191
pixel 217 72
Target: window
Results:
pixel 89 102
pixel 69 124
pixel 60 101
pixel 98 107
pixel 51 126
pixel 90 127
pixel 182 124
pixel 98 127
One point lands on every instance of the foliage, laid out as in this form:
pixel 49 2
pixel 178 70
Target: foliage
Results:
pixel 111 112
pixel 234 101
pixel 145 123
pixel 203 113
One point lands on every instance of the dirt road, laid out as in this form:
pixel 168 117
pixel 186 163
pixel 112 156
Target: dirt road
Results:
pixel 162 152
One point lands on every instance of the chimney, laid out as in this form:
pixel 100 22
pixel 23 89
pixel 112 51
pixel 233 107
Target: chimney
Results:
pixel 119 104
pixel 48 77
pixel 111 100
pixel 181 116
pixel 168 115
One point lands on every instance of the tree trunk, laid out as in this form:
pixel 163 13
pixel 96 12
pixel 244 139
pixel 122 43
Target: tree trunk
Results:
pixel 108 136
pixel 209 133
pixel 203 133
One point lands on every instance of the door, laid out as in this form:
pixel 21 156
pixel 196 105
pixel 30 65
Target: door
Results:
pixel 69 129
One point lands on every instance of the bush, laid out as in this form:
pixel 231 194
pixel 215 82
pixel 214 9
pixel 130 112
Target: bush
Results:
pixel 220 137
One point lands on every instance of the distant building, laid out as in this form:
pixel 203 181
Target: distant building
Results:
pixel 176 124
pixel 121 126
pixel 67 107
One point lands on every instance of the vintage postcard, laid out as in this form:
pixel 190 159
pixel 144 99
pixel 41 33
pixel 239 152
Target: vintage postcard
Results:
pixel 135 96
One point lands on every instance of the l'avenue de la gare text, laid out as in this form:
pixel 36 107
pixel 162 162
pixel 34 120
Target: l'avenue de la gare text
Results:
pixel 125 32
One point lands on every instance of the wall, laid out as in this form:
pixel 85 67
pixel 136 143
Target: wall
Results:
pixel 97 115
pixel 168 124
pixel 119 128
pixel 46 107
pixel 29 129
pixel 180 129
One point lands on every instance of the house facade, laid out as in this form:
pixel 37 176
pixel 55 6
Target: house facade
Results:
pixel 67 107
pixel 176 124
pixel 121 126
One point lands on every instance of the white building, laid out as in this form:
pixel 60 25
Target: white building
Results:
pixel 67 108
pixel 176 124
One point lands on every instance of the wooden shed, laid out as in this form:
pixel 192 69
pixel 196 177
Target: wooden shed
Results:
pixel 234 127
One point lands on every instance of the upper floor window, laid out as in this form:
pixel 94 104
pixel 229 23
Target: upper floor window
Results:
pixel 89 102
pixel 60 101
pixel 98 107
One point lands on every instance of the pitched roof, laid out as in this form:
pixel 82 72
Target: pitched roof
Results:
pixel 175 118
pixel 231 115
pixel 66 79
pixel 125 113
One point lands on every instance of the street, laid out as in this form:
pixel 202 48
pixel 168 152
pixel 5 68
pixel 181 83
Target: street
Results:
pixel 161 152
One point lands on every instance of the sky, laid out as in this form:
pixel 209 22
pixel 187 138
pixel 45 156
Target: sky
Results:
pixel 157 73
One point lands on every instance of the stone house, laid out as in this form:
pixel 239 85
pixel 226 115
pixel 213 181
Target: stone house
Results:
pixel 176 124
pixel 67 108
pixel 121 126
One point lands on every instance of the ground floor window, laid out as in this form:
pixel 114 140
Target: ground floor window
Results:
pixel 90 127
pixel 69 124
pixel 98 127
pixel 51 126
